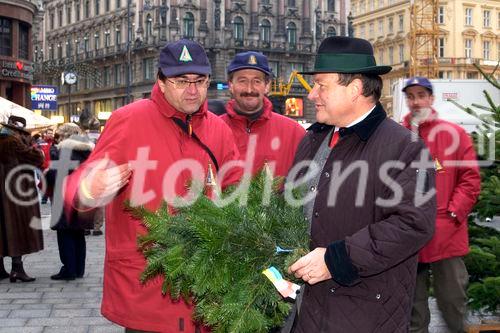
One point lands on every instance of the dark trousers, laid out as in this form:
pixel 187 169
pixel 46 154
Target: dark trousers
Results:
pixel 72 252
pixel 450 280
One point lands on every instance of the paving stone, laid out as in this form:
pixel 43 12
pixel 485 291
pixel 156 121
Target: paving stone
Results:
pixel 68 306
pixel 48 289
pixel 66 329
pixel 26 301
pixel 71 313
pixel 38 306
pixel 10 306
pixel 4 314
pixel 11 322
pixel 51 322
pixel 17 295
pixel 105 329
pixel 29 313
pixel 21 330
pixel 89 321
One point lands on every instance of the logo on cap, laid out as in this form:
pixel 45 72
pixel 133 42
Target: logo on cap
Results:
pixel 252 60
pixel 185 56
pixel 415 81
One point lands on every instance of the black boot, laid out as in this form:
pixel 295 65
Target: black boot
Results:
pixel 18 273
pixel 3 272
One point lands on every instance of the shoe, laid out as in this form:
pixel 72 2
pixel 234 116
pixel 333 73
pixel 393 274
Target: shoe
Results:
pixel 86 232
pixel 96 233
pixel 60 276
pixel 21 276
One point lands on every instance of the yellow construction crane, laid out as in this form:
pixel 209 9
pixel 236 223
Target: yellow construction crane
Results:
pixel 424 33
pixel 279 88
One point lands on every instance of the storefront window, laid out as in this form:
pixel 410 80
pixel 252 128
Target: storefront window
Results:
pixel 5 37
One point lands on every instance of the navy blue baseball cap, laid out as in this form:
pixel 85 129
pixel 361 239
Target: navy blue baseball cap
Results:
pixel 184 57
pixel 249 60
pixel 418 81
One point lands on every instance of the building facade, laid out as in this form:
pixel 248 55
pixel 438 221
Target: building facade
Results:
pixel 101 40
pixel 469 33
pixel 16 62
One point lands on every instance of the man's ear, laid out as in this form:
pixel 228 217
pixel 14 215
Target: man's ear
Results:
pixel 355 89
pixel 162 85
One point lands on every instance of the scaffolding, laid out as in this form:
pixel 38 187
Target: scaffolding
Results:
pixel 424 33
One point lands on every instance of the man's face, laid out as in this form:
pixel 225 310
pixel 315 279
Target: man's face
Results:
pixel 419 100
pixel 49 134
pixel 185 97
pixel 248 88
pixel 332 100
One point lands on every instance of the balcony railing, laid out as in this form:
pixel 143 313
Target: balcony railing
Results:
pixel 271 45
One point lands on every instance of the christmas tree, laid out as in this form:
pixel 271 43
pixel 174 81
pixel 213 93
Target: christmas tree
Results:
pixel 215 256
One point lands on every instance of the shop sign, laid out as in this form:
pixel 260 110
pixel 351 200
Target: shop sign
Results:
pixel 16 70
pixel 44 97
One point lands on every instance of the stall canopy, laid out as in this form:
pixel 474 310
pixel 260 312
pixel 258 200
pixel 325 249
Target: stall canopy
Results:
pixel 33 121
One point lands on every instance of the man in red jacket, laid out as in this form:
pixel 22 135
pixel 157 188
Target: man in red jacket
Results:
pixel 262 135
pixel 147 153
pixel 457 184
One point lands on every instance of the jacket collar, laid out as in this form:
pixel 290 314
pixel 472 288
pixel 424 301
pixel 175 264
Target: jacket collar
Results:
pixel 267 114
pixel 432 117
pixel 168 110
pixel 363 129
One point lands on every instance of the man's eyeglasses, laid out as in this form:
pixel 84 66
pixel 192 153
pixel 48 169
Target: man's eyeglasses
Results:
pixel 183 83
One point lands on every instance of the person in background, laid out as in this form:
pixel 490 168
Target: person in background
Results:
pixel 70 231
pixel 20 224
pixel 250 116
pixel 458 184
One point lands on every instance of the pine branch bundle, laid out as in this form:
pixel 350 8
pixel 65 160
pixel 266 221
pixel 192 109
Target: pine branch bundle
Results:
pixel 215 256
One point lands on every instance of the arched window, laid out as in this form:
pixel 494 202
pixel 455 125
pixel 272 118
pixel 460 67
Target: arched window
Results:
pixel 188 25
pixel 149 26
pixel 331 32
pixel 291 34
pixel 265 31
pixel 238 28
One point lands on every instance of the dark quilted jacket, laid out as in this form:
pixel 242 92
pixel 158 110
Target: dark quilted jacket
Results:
pixel 371 250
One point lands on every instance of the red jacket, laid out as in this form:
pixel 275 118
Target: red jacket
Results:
pixel 457 186
pixel 277 137
pixel 148 124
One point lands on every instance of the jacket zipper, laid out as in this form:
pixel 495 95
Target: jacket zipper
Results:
pixel 189 125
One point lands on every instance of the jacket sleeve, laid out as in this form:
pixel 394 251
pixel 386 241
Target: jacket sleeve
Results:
pixel 111 144
pixel 402 230
pixel 27 154
pixel 468 183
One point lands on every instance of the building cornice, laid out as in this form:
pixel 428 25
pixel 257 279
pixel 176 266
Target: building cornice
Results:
pixel 28 5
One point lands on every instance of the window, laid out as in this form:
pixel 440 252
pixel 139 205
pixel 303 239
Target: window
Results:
pixel 468 16
pixel 97 5
pixel 330 32
pixel 381 56
pixel 24 41
pixel 60 17
pixel 238 28
pixel 86 44
pixel 106 5
pixel 97 42
pixel 107 39
pixel 371 30
pixel 441 15
pixel 486 18
pixel 372 5
pixel 68 48
pixel 188 25
pixel 77 46
pixel 5 37
pixel 77 12
pixel 87 8
pixel 401 22
pixel 468 48
pixel 486 50
pixel 148 68
pixel 391 25
pixel 291 34
pixel 380 27
pixel 391 55
pixel 107 76
pixel 265 31
pixel 291 3
pixel 401 53
pixel 362 32
pixel 118 35
pixel 275 68
pixel 51 52
pixel 441 47
pixel 362 6
pixel 118 4
pixel 52 20
pixel 118 75
pixel 59 51
pixel 331 5
pixel 294 66
pixel 68 14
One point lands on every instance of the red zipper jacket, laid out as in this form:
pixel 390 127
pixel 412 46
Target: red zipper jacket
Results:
pixel 457 186
pixel 148 124
pixel 277 137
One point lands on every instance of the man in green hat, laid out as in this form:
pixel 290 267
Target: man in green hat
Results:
pixel 370 201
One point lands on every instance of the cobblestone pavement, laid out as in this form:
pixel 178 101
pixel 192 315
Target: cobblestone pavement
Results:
pixel 74 306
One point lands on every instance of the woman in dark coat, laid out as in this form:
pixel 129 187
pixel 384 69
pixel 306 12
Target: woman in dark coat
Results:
pixel 70 232
pixel 20 224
